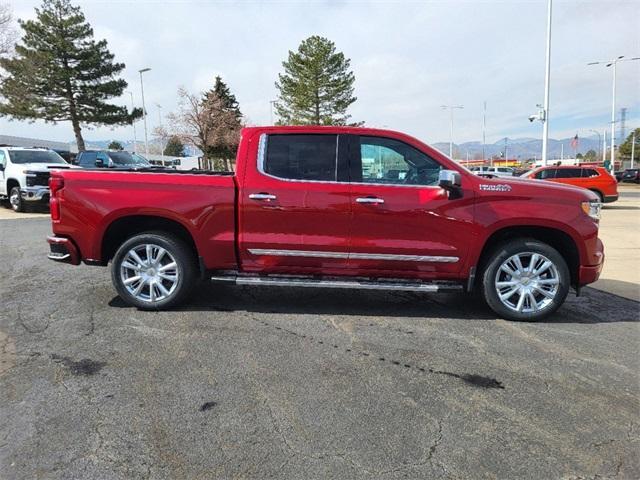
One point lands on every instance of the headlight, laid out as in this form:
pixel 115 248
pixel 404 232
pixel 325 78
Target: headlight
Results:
pixel 592 208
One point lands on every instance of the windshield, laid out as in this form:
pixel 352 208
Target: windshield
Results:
pixel 35 156
pixel 125 158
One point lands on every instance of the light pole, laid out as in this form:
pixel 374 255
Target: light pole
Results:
pixel 144 112
pixel 547 75
pixel 484 129
pixel 633 147
pixel 133 123
pixel 271 104
pixel 599 138
pixel 161 132
pixel 613 63
pixel 451 108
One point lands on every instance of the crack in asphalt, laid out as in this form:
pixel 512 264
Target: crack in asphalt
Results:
pixel 475 380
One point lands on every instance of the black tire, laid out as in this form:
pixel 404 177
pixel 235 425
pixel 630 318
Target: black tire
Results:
pixel 186 270
pixel 524 247
pixel 599 194
pixel 15 200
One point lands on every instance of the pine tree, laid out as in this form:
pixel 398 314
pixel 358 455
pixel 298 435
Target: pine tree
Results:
pixel 60 73
pixel 175 147
pixel 316 87
pixel 225 117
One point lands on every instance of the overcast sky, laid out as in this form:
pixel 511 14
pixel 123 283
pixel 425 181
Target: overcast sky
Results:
pixel 408 58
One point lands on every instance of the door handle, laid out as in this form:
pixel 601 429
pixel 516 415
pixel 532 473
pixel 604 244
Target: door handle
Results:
pixel 262 196
pixel 374 200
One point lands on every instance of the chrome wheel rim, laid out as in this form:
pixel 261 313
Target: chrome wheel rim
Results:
pixel 14 199
pixel 149 273
pixel 527 282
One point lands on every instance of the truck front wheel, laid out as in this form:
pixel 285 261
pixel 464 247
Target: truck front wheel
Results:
pixel 153 271
pixel 15 200
pixel 525 280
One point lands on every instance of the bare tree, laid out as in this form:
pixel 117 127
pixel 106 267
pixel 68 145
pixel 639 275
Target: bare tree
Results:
pixel 7 31
pixel 206 123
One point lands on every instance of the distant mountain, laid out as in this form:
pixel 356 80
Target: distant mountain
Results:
pixel 521 148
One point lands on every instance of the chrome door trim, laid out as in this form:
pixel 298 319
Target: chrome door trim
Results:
pixel 262 196
pixel 355 256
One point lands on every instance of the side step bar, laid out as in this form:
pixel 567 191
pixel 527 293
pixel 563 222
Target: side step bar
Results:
pixel 362 284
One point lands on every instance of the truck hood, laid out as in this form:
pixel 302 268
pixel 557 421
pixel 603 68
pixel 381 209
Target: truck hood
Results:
pixel 526 186
pixel 45 167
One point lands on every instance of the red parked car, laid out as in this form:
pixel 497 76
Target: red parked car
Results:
pixel 596 179
pixel 335 207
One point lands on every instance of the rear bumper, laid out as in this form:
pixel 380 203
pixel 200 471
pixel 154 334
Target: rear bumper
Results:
pixel 590 273
pixel 63 250
pixel 35 194
pixel 610 198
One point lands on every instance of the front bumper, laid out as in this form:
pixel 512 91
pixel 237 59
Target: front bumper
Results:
pixel 63 250
pixel 610 198
pixel 590 273
pixel 35 194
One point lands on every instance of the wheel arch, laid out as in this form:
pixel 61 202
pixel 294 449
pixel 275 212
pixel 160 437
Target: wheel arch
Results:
pixel 123 228
pixel 556 238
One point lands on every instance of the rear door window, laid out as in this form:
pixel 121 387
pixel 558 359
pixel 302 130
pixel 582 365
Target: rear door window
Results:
pixel 589 172
pixel 301 157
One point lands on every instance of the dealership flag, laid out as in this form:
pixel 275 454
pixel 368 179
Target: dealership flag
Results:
pixel 574 142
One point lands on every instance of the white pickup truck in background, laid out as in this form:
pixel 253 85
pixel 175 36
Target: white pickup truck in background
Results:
pixel 24 174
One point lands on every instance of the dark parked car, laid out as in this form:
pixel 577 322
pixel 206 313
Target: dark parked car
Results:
pixel 111 159
pixel 619 175
pixel 631 175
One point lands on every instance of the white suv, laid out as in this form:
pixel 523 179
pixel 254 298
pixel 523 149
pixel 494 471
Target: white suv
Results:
pixel 24 174
pixel 495 171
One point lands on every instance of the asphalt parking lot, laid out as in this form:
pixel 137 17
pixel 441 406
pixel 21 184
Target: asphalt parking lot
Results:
pixel 279 383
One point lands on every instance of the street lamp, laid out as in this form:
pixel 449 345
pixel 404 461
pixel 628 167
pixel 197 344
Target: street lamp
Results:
pixel 547 75
pixel 599 138
pixel 144 112
pixel 613 63
pixel 451 108
pixel 133 123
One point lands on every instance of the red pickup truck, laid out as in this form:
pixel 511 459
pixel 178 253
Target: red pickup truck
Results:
pixel 337 207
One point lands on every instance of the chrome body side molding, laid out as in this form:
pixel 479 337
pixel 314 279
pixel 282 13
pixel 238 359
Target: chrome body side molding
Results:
pixel 355 256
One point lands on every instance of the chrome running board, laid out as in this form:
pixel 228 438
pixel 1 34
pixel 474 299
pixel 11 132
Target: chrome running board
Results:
pixel 359 283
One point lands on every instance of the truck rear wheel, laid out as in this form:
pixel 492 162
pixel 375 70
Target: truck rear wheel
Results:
pixel 525 280
pixel 153 271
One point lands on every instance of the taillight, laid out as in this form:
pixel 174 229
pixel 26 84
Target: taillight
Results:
pixel 55 185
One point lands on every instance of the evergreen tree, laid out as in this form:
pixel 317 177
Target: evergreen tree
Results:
pixel 115 145
pixel 225 116
pixel 175 147
pixel 60 73
pixel 316 87
pixel 625 147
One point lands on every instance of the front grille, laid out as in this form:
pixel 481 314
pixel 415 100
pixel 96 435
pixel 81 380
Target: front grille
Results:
pixel 38 179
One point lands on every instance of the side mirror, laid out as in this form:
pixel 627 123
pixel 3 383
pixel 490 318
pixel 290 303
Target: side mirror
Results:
pixel 1 167
pixel 450 181
pixel 100 163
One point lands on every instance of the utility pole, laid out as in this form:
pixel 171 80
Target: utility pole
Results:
pixel 451 108
pixel 547 75
pixel 271 104
pixel 133 122
pixel 144 112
